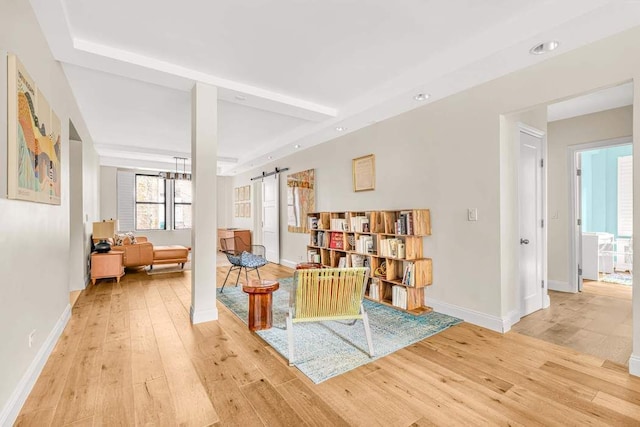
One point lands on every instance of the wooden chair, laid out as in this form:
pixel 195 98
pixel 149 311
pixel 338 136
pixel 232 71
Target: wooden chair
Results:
pixel 318 295
pixel 242 256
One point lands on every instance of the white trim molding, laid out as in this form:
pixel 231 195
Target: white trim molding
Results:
pixel 19 396
pixel 557 285
pixel 634 365
pixel 495 323
pixel 288 263
pixel 202 316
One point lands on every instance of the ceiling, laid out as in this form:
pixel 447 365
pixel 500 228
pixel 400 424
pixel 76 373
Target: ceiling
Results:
pixel 290 72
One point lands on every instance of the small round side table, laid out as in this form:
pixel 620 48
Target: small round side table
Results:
pixel 308 265
pixel 260 303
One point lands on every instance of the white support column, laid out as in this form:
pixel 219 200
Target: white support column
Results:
pixel 634 360
pixel 204 154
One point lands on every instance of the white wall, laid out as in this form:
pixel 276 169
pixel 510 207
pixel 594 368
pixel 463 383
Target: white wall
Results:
pixel 451 155
pixel 34 237
pixel 595 127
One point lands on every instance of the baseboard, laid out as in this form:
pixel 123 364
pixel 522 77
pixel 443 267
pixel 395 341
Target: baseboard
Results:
pixel 511 319
pixel 634 365
pixel 202 316
pixel 556 285
pixel 288 263
pixel 488 321
pixel 19 396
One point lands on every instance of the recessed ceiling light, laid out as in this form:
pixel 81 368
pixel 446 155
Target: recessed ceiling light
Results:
pixel 545 47
pixel 241 98
pixel 296 146
pixel 341 128
pixel 421 97
pixel 270 157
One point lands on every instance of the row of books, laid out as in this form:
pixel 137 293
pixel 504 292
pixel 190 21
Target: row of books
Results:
pixel 409 275
pixel 360 224
pixel 364 245
pixel 392 248
pixel 374 289
pixel 404 224
pixel 399 296
pixel 339 224
pixel 313 223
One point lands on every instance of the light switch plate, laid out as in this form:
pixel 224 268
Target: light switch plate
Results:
pixel 472 214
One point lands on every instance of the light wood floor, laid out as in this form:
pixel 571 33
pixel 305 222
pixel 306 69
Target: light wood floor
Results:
pixel 596 321
pixel 129 356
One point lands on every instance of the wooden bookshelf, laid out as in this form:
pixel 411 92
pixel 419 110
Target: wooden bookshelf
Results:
pixel 390 243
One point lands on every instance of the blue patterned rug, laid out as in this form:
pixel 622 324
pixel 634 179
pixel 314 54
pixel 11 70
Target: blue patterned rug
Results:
pixel 325 350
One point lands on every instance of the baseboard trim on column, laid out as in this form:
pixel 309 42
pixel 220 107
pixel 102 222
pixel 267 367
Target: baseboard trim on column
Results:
pixel 634 365
pixel 202 316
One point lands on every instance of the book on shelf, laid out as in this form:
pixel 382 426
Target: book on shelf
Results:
pixel 311 255
pixel 404 224
pixel 409 275
pixel 399 296
pixel 357 260
pixel 321 239
pixel 360 224
pixel 342 262
pixel 339 224
pixel 374 289
pixel 313 223
pixel 389 247
pixel 336 241
pixel 364 245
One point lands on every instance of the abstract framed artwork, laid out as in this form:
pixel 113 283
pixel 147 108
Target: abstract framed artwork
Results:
pixel 301 200
pixel 34 140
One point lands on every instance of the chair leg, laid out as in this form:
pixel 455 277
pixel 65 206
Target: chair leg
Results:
pixel 246 275
pixel 367 331
pixel 290 337
pixel 238 278
pixel 225 279
pixel 258 271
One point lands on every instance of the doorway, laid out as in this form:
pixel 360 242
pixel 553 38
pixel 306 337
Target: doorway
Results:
pixel 593 318
pixel 271 217
pixel 602 214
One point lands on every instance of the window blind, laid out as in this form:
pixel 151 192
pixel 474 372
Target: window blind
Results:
pixel 625 196
pixel 126 200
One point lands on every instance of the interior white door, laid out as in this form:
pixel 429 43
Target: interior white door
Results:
pixel 271 217
pixel 578 223
pixel 530 214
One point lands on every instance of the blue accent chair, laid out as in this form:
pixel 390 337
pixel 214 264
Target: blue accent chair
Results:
pixel 236 251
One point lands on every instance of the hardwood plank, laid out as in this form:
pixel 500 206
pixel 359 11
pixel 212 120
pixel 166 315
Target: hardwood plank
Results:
pixel 622 406
pixel 271 407
pixel 81 389
pixel 35 418
pixel 309 406
pixel 232 406
pixel 153 404
pixel 115 400
pixel 191 403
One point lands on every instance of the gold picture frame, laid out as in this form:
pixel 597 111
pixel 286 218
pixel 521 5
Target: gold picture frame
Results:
pixel 364 173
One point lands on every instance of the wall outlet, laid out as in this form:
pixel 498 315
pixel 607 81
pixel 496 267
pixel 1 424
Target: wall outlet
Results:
pixel 472 214
pixel 31 337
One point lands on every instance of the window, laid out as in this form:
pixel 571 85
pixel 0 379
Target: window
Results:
pixel 625 196
pixel 150 202
pixel 181 204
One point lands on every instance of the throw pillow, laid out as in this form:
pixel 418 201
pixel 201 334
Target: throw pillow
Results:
pixel 252 261
pixel 118 239
pixel 131 237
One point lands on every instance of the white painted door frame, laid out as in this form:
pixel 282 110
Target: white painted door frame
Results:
pixel 271 221
pixel 575 238
pixel 257 212
pixel 521 127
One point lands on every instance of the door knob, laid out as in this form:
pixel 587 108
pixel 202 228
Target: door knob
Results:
pixel 524 241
